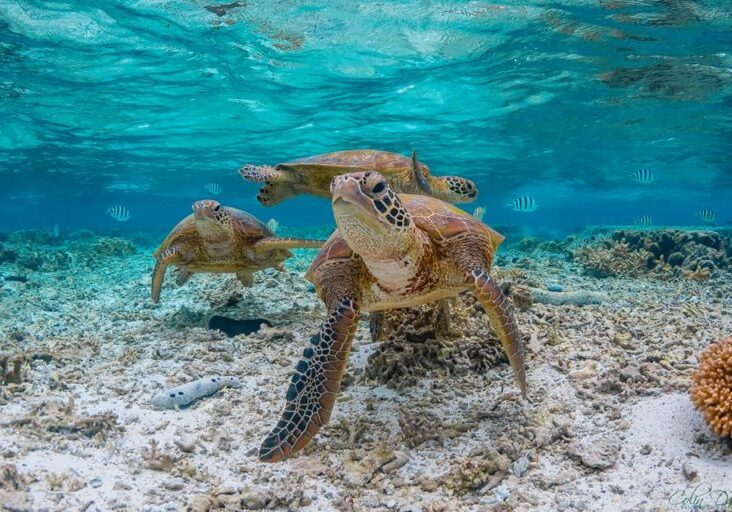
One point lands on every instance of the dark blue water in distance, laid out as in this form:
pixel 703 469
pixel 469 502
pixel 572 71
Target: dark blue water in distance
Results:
pixel 142 103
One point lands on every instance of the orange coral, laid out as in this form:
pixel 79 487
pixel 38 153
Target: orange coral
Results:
pixel 711 390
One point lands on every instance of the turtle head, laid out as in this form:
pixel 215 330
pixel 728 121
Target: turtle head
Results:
pixel 212 220
pixel 370 216
pixel 453 189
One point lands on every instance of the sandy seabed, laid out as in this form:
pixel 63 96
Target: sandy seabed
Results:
pixel 608 424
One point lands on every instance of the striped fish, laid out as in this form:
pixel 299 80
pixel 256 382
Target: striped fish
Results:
pixel 644 176
pixel 523 204
pixel 119 213
pixel 706 215
pixel 644 221
pixel 213 188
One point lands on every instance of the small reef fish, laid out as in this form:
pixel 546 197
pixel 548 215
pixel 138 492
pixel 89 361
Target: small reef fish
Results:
pixel 272 224
pixel 707 216
pixel 479 213
pixel 643 221
pixel 523 204
pixel 119 213
pixel 644 176
pixel 189 393
pixel 213 188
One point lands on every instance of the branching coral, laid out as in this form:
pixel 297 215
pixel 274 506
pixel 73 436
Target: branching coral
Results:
pixel 613 259
pixel 426 339
pixel 711 390
pixel 665 254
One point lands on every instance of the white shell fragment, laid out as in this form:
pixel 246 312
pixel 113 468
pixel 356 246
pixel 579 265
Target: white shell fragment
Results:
pixel 188 393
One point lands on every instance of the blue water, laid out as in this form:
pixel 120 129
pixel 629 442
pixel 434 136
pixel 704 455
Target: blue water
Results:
pixel 142 103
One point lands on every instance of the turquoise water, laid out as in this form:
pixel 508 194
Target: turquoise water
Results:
pixel 142 103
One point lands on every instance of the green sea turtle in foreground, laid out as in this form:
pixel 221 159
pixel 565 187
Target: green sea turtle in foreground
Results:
pixel 217 238
pixel 314 174
pixel 389 251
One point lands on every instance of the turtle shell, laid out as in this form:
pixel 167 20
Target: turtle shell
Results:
pixel 185 228
pixel 248 226
pixel 441 220
pixel 356 160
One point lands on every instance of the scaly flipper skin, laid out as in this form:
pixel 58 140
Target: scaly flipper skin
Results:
pixel 273 243
pixel 173 254
pixel 315 384
pixel 498 308
pixel 262 173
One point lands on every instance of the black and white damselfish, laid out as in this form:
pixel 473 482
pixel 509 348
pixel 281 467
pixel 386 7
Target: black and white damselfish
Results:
pixel 119 213
pixel 644 176
pixel 706 215
pixel 523 204
pixel 644 221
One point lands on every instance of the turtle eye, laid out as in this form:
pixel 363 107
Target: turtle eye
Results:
pixel 379 187
pixel 217 207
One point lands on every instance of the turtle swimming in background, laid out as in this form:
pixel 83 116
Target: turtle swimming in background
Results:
pixel 314 174
pixel 217 238
pixel 389 251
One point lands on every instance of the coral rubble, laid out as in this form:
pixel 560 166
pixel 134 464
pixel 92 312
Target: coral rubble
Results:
pixel 711 390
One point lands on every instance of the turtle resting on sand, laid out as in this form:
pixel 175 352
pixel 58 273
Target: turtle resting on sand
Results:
pixel 217 238
pixel 389 251
pixel 314 174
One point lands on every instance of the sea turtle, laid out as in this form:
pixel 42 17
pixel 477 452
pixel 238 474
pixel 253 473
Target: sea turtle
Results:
pixel 314 174
pixel 217 238
pixel 389 251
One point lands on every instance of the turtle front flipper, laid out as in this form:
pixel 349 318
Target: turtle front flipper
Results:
pixel 274 243
pixel 498 308
pixel 277 182
pixel 172 255
pixel 315 384
pixel 418 176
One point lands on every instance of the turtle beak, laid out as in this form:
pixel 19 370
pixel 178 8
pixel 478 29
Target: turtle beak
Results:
pixel 350 201
pixel 346 189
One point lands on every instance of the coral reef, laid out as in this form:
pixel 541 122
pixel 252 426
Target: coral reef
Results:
pixel 426 339
pixel 6 255
pixel 40 251
pixel 711 390
pixel 665 253
pixel 118 247
pixel 613 259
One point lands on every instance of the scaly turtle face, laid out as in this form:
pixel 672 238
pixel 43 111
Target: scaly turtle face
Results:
pixel 369 215
pixel 213 221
